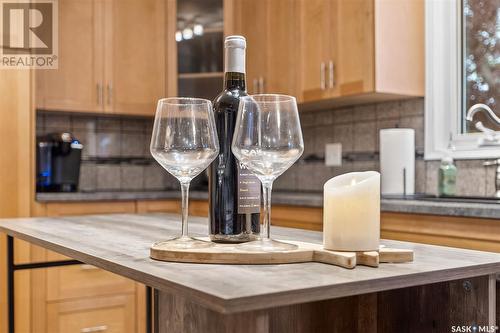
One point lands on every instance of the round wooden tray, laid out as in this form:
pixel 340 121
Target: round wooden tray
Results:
pixel 306 252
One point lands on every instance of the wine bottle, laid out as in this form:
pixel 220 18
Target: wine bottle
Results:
pixel 234 193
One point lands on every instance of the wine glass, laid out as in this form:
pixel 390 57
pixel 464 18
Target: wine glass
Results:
pixel 267 140
pixel 184 142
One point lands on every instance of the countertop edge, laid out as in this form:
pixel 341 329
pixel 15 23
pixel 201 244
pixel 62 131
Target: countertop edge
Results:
pixel 313 200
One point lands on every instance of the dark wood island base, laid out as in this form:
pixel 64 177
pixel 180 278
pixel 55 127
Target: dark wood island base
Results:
pixel 437 307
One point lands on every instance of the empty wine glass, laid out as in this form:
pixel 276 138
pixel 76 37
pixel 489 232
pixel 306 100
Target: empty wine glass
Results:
pixel 184 142
pixel 267 140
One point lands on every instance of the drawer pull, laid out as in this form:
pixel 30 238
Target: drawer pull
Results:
pixel 86 267
pixel 322 79
pixel 101 328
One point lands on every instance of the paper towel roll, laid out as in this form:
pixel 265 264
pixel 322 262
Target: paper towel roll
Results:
pixel 397 160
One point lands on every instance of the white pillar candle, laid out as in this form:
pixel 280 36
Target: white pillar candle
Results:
pixel 351 212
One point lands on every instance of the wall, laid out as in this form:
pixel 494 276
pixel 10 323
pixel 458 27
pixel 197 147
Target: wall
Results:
pixel 116 155
pixel 357 129
pixel 116 151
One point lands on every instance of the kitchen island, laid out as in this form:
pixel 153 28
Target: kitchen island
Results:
pixel 443 287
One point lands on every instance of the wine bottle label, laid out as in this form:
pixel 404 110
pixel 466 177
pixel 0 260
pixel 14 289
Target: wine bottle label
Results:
pixel 248 191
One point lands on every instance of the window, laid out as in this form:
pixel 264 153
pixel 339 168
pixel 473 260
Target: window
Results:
pixel 481 59
pixel 462 69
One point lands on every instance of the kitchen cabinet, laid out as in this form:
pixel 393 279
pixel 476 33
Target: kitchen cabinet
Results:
pixel 112 314
pixel 76 84
pixel 316 46
pixel 270 28
pixel 332 52
pixel 135 55
pixel 79 281
pixel 361 50
pixel 75 297
pixel 159 206
pixel 112 57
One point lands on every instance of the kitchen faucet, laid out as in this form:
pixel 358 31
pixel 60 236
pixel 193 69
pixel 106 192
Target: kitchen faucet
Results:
pixel 491 138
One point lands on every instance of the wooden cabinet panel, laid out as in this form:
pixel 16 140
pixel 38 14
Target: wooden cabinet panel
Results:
pixel 86 208
pixel 112 57
pixel 198 208
pixel 361 51
pixel 159 206
pixel 84 281
pixel 315 47
pixel 271 30
pixel 135 55
pixel 251 21
pixel 115 314
pixel 76 84
pixel 282 70
pixel 354 27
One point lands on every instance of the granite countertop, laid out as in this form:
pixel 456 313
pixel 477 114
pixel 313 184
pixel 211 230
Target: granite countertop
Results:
pixel 308 199
pixel 120 243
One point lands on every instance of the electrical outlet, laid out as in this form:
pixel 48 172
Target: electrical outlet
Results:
pixel 333 154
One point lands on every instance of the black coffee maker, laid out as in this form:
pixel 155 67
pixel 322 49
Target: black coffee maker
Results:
pixel 58 162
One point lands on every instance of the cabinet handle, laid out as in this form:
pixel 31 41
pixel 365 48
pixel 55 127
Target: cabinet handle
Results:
pixel 86 267
pixel 110 93
pixel 261 85
pixel 99 93
pixel 331 76
pixel 93 329
pixel 322 76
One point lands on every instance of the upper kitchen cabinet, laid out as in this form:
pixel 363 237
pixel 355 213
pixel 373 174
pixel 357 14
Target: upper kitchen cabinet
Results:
pixel 270 28
pixel 135 54
pixel 355 51
pixel 316 45
pixel 113 57
pixel 76 84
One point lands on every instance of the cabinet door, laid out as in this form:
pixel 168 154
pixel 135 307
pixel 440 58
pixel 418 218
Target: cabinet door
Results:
pixel 282 75
pixel 78 281
pixel 113 314
pixel 135 48
pixel 354 22
pixel 315 44
pixel 77 83
pixel 251 21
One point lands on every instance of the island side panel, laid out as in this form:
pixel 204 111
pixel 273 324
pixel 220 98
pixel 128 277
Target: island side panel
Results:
pixel 430 308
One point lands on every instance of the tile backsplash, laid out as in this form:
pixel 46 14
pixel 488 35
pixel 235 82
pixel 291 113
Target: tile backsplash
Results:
pixel 116 151
pixel 357 129
pixel 116 154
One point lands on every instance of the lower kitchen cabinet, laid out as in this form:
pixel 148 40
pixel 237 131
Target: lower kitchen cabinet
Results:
pixel 110 314
pixel 80 281
pixel 77 298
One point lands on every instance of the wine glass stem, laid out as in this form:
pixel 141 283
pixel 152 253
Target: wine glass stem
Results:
pixel 185 208
pixel 266 227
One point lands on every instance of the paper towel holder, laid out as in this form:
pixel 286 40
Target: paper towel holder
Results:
pixel 404 182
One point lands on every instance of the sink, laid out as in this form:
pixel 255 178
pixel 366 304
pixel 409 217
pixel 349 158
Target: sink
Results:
pixel 433 198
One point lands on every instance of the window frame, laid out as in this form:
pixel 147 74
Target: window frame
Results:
pixel 444 87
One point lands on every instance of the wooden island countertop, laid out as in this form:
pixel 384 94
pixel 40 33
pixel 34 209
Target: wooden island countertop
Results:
pixel 120 243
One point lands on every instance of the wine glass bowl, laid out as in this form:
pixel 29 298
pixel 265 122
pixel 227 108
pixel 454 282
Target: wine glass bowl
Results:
pixel 184 142
pixel 267 140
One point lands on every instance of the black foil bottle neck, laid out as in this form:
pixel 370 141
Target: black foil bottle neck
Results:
pixel 234 80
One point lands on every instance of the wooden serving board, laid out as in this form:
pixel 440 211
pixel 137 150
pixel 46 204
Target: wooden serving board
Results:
pixel 306 252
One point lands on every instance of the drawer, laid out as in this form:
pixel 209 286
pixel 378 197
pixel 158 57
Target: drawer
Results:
pixel 111 314
pixel 76 281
